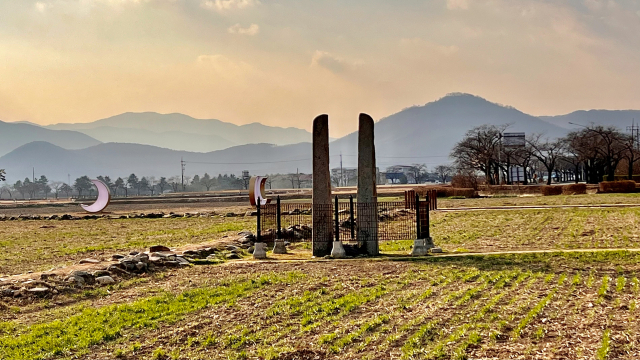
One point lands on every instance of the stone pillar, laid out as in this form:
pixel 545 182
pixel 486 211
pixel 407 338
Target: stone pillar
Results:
pixel 367 215
pixel 322 236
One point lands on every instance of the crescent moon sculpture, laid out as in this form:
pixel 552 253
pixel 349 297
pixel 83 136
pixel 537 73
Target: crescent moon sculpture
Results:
pixel 104 197
pixel 256 190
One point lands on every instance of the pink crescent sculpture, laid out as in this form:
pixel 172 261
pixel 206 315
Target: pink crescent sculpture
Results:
pixel 104 197
pixel 256 189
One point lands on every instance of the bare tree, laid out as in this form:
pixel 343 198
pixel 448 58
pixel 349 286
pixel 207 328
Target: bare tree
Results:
pixel 444 172
pixel 547 152
pixel 479 150
pixel 56 185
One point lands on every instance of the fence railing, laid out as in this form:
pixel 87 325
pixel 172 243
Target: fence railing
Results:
pixel 397 220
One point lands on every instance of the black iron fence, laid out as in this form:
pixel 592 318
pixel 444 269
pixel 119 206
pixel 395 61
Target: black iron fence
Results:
pixel 397 220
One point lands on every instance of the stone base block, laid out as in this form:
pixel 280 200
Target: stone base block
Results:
pixel 337 252
pixel 421 247
pixel 260 251
pixel 279 248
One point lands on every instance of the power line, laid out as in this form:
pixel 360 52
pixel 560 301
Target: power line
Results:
pixel 245 163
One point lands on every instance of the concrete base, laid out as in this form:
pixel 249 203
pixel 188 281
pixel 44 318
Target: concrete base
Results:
pixel 279 248
pixel 260 251
pixel 421 247
pixel 337 252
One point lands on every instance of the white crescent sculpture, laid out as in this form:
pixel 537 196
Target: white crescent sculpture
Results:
pixel 256 190
pixel 104 197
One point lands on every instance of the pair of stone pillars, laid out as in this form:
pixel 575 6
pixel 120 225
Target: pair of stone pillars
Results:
pixel 367 210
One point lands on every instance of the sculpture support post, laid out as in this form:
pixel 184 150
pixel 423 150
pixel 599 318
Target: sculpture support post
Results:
pixel 367 193
pixel 322 220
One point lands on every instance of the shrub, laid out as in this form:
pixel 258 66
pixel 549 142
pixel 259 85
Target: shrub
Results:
pixel 574 189
pixel 549 190
pixel 468 193
pixel 465 181
pixel 635 178
pixel 625 186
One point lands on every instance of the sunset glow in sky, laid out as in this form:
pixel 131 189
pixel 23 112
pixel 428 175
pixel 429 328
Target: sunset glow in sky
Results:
pixel 282 62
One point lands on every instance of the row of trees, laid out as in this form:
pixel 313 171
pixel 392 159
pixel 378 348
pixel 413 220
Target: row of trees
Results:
pixel 131 185
pixel 594 151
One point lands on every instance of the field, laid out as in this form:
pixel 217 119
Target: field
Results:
pixel 528 306
pixel 559 304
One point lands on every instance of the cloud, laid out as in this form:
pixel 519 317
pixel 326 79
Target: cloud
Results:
pixel 332 63
pixel 253 29
pixel 223 5
pixel 458 4
pixel 42 7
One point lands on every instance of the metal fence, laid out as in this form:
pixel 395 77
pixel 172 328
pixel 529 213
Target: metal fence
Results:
pixel 397 220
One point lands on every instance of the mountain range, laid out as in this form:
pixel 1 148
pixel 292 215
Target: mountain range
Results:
pixel 182 132
pixel 418 134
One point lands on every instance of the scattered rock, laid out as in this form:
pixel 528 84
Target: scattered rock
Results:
pixel 232 256
pixel 88 278
pixel 39 291
pixel 100 273
pixel 105 280
pixel 158 248
pixel 117 256
pixel 89 261
pixel 436 250
pixel 250 249
pixel 134 253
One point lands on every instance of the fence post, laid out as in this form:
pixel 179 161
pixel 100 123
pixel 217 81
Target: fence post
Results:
pixel 337 220
pixel 418 235
pixel 352 219
pixel 428 230
pixel 259 225
pixel 278 221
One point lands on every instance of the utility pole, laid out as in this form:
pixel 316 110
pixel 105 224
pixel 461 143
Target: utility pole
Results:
pixel 341 174
pixel 635 133
pixel 182 164
pixel 33 174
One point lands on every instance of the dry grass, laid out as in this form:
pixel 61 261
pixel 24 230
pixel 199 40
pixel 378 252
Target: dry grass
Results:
pixel 587 199
pixel 505 230
pixel 41 245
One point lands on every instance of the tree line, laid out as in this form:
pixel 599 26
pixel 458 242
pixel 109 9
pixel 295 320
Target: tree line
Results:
pixel 588 154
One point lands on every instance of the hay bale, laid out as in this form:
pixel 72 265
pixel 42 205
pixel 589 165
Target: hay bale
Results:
pixel 550 190
pixel 574 189
pixel 624 186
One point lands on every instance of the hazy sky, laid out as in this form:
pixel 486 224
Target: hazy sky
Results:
pixel 282 62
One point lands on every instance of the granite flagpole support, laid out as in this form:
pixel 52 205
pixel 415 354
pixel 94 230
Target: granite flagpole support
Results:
pixel 367 220
pixel 322 235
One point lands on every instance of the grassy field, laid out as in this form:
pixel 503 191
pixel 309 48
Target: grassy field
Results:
pixel 570 306
pixel 588 199
pixel 41 245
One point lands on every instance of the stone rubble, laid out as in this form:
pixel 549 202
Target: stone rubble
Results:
pixel 118 266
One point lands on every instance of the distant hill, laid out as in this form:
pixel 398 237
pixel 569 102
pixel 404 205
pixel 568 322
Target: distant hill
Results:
pixel 426 134
pixel 116 159
pixel 182 132
pixel 13 135
pixel 419 134
pixel 618 118
pixel 176 140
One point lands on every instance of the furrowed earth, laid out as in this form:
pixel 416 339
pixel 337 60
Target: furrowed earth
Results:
pixel 576 300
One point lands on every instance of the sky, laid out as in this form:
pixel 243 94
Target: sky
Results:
pixel 282 62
